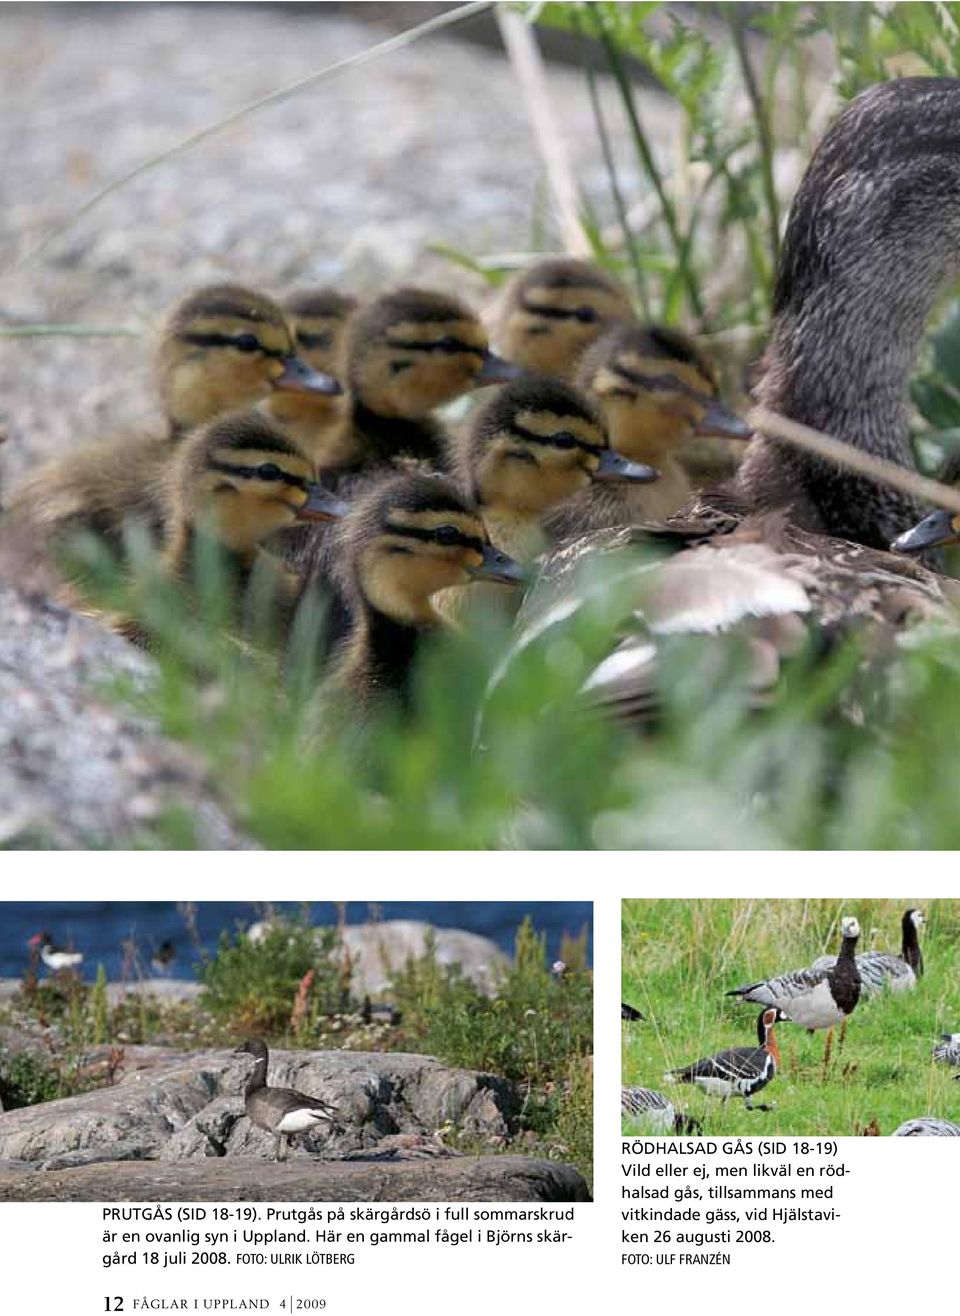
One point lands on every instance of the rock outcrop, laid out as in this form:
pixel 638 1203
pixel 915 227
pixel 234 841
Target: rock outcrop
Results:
pixel 184 1114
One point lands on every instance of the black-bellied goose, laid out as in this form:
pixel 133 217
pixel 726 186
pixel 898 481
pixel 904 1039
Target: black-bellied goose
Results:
pixel 655 1113
pixel 741 1071
pixel 281 1111
pixel 878 969
pixel 55 957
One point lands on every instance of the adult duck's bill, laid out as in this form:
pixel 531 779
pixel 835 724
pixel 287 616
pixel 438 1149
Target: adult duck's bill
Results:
pixel 614 467
pixel 322 505
pixel 298 377
pixel 939 528
pixel 495 370
pixel 719 422
pixel 497 566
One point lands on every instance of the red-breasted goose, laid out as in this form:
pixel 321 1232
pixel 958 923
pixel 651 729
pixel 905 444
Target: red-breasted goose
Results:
pixel 55 957
pixel 947 1050
pixel 741 1071
pixel 281 1111
pixel 655 1112
pixel 879 969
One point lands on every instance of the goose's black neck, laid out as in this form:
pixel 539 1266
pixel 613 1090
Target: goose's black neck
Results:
pixel 910 944
pixel 872 239
pixel 257 1078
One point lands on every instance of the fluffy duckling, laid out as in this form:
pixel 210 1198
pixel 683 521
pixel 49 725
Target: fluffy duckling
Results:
pixel 318 421
pixel 409 537
pixel 222 347
pixel 230 486
pixel 535 445
pixel 656 391
pixel 554 310
pixel 408 353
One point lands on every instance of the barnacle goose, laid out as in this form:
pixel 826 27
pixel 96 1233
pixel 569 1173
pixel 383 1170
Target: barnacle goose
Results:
pixel 879 969
pixel 947 1050
pixel 815 997
pixel 655 1113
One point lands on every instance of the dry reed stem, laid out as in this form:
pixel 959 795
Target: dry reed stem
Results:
pixel 524 55
pixel 843 454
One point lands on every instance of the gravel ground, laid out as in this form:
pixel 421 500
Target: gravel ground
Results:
pixel 350 181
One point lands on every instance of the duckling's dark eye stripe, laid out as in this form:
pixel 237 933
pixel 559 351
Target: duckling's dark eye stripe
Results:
pixel 552 441
pixel 306 339
pixel 460 538
pixel 449 346
pixel 664 383
pixel 583 313
pixel 253 473
pixel 225 340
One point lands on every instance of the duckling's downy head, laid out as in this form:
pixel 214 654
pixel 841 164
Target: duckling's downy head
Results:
pixel 553 310
pixel 411 536
pixel 413 350
pixel 225 346
pixel 656 389
pixel 318 319
pixel 536 444
pixel 239 479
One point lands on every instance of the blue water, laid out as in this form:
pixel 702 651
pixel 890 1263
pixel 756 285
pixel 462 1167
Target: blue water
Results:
pixel 99 929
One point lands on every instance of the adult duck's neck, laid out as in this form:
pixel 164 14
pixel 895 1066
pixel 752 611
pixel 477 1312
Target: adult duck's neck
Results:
pixel 841 361
pixel 872 241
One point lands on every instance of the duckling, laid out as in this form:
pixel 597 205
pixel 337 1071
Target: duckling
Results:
pixel 407 353
pixel 236 482
pixel 553 310
pixel 224 346
pixel 406 539
pixel 318 421
pixel 656 390
pixel 536 444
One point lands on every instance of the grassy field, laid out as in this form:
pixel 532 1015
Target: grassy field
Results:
pixel 680 956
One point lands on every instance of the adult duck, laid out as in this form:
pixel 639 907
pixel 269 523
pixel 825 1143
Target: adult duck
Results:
pixel 795 544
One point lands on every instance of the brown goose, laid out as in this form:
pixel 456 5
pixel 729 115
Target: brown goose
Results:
pixel 281 1111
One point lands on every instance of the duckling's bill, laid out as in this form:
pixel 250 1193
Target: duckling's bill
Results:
pixel 298 377
pixel 613 467
pixel 495 370
pixel 934 531
pixel 499 567
pixel 322 505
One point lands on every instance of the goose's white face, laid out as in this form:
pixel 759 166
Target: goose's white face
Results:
pixel 850 928
pixel 916 918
